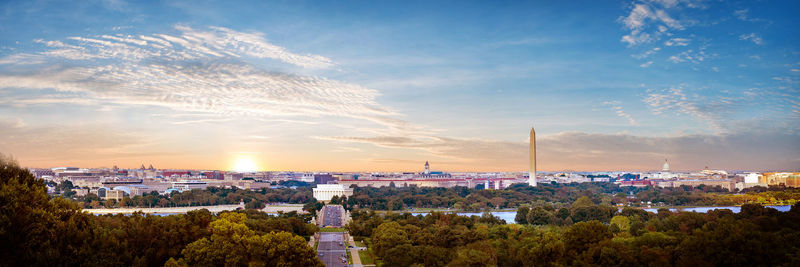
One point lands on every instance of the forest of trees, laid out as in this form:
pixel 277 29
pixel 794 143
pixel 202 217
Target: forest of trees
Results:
pixel 459 198
pixel 198 197
pixel 40 230
pixel 756 236
pixel 463 198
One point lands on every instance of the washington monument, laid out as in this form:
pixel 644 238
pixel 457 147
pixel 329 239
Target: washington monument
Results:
pixel 532 175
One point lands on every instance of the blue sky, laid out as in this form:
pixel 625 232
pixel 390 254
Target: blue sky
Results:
pixel 359 85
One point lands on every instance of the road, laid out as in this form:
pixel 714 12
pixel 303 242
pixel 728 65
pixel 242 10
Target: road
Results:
pixel 331 249
pixel 333 216
pixel 332 246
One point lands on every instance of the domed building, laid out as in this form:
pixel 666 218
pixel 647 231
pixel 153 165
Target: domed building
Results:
pixel 665 173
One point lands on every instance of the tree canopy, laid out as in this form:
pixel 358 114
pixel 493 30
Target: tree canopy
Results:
pixel 39 230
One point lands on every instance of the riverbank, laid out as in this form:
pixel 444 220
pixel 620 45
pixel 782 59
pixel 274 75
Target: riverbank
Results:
pixel 510 214
pixel 650 209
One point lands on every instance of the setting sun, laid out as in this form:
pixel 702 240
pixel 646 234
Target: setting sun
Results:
pixel 245 164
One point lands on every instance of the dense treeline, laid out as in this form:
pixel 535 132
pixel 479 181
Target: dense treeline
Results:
pixel 207 197
pixel 459 198
pixel 463 198
pixel 755 236
pixel 37 230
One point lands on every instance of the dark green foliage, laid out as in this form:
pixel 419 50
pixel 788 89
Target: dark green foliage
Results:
pixel 254 204
pixel 522 215
pixel 213 196
pixel 516 195
pixel 540 216
pixel 36 230
pixel 757 237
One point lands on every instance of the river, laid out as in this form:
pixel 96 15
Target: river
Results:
pixel 509 216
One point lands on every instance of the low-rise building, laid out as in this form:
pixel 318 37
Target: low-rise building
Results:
pixel 636 183
pixel 789 179
pixel 325 192
pixel 114 195
pixel 189 185
pixel 727 184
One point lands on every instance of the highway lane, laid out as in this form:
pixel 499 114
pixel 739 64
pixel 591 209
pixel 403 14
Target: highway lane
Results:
pixel 332 247
pixel 333 216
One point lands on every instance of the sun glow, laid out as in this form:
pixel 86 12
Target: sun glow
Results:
pixel 245 164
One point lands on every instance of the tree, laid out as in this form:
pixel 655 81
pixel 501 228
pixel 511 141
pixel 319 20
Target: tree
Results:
pixel 582 202
pixel 522 215
pixel 543 249
pixel 608 253
pixel 582 235
pixel 480 253
pixel 33 226
pixel 600 213
pixel 540 216
pixel 621 222
pixel 254 204
pixel 563 213
pixel 65 186
pixel 312 206
pixel 233 243
pixel 401 255
pixel 387 236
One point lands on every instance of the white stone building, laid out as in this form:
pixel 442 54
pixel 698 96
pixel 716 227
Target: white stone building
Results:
pixel 324 192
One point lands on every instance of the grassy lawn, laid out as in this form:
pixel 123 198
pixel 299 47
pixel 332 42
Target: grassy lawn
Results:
pixel 360 244
pixel 366 257
pixel 332 229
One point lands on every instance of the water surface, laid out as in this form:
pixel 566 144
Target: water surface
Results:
pixel 510 215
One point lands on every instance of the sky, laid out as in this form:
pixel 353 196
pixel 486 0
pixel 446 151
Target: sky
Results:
pixel 388 85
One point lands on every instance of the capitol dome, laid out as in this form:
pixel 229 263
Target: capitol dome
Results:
pixel 666 166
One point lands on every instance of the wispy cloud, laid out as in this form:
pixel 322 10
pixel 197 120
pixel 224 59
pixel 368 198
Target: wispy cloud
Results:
pixel 677 42
pixel 196 71
pixel 647 53
pixel 215 43
pixel 753 37
pixel 691 55
pixel 674 99
pixel 647 22
pixel 744 15
pixel 23 59
pixel 617 107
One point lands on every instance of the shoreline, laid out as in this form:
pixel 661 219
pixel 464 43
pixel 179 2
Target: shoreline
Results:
pixel 515 209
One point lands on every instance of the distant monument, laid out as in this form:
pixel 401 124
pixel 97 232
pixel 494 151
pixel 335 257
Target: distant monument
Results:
pixel 532 175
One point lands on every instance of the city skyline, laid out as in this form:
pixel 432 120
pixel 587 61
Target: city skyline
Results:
pixel 358 87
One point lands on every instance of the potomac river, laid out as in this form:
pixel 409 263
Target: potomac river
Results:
pixel 510 215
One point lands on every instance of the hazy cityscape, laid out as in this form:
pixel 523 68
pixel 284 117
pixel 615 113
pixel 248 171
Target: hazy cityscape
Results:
pixel 400 133
pixel 118 183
